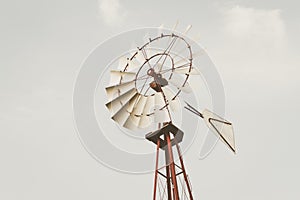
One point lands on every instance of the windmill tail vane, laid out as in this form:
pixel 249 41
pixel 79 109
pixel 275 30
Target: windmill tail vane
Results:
pixel 219 126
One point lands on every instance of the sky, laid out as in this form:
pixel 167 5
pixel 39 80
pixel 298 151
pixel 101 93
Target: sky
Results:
pixel 254 45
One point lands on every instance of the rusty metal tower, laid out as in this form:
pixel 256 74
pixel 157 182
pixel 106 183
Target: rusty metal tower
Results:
pixel 175 188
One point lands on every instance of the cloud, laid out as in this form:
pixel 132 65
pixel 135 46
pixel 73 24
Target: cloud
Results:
pixel 255 24
pixel 255 47
pixel 111 12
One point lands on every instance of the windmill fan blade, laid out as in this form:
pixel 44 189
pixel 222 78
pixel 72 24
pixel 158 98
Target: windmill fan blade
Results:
pixel 222 128
pixel 187 70
pixel 175 26
pixel 122 115
pixel 151 52
pixel 158 67
pixel 160 115
pixel 115 105
pixel 118 89
pixel 133 120
pixel 122 74
pixel 177 82
pixel 145 120
pixel 117 76
pixel 133 65
pixel 159 100
pixel 123 62
pixel 140 57
pixel 161 26
pixel 181 61
pixel 188 28
pixel 173 103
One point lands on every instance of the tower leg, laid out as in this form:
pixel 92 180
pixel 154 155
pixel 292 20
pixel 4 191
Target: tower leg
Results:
pixel 168 176
pixel 184 172
pixel 156 169
pixel 172 166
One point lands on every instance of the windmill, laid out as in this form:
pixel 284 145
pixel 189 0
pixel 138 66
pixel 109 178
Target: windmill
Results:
pixel 145 90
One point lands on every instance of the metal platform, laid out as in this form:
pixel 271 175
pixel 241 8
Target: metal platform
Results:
pixel 175 133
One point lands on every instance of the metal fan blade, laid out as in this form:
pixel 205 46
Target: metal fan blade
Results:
pixel 145 120
pixel 122 74
pixel 160 115
pixel 161 26
pixel 160 29
pixel 119 89
pixel 187 70
pixel 140 57
pixel 130 65
pixel 122 115
pixel 175 26
pixel 149 105
pixel 140 104
pixel 178 83
pixel 173 103
pixel 159 100
pixel 117 76
pixel 197 37
pixel 219 126
pixel 158 67
pixel 188 28
pixel 181 62
pixel 122 62
pixel 115 105
pixel 133 120
pixel 133 65
pixel 143 56
pixel 199 53
pixel 151 52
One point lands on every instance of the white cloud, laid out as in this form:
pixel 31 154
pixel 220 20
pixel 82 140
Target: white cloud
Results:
pixel 111 12
pixel 254 46
pixel 255 24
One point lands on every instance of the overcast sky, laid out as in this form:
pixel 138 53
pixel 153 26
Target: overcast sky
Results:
pixel 254 44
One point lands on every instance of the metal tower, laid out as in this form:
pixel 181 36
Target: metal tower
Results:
pixel 167 140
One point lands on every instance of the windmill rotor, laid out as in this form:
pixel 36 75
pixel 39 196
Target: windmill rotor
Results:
pixel 145 88
pixel 147 85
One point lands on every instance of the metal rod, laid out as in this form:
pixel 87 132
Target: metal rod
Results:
pixel 172 167
pixel 156 169
pixel 193 110
pixel 184 172
pixel 168 175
